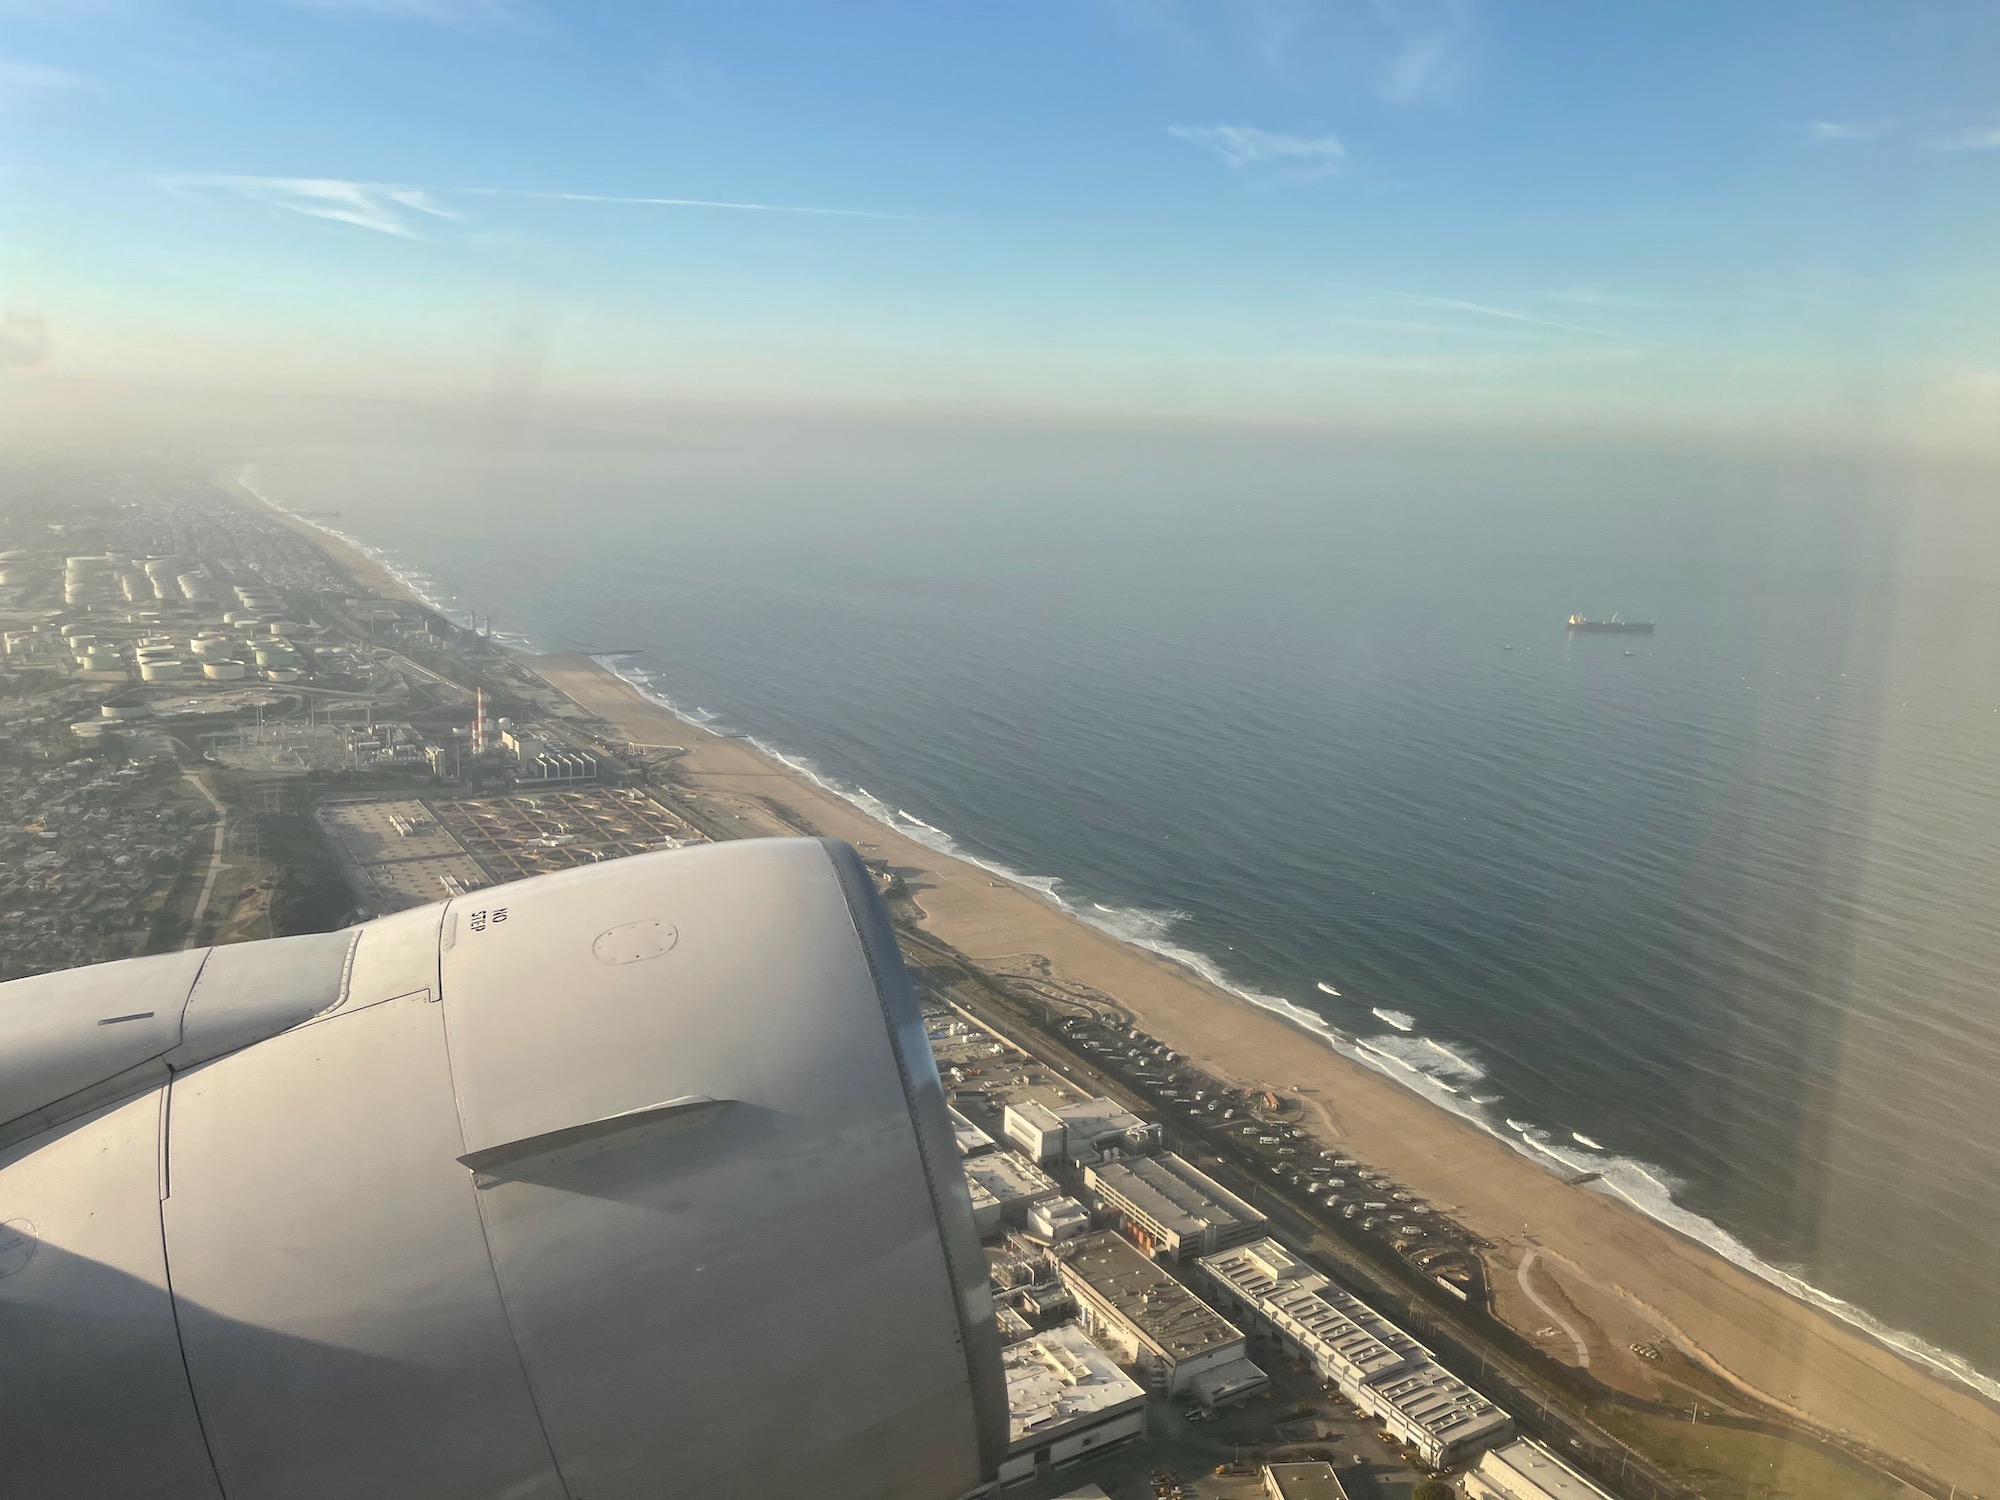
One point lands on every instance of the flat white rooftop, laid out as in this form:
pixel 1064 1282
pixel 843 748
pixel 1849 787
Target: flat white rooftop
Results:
pixel 1092 1118
pixel 1269 1277
pixel 1060 1379
pixel 971 1139
pixel 1143 1296
pixel 1006 1178
pixel 1173 1194
pixel 1307 1481
pixel 1430 1397
pixel 1525 1470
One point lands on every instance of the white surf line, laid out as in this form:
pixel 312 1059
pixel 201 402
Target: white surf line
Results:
pixel 214 858
pixel 1521 1275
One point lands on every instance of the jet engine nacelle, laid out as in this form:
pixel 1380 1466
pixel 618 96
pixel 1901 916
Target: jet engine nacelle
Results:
pixel 635 1180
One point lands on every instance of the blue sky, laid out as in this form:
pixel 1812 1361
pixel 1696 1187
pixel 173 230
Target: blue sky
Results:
pixel 1756 218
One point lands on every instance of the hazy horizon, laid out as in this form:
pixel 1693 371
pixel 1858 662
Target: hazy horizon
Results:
pixel 1441 216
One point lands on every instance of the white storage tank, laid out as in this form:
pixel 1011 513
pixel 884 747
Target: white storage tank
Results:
pixel 101 659
pixel 223 671
pixel 161 671
pixel 119 712
pixel 282 674
pixel 211 647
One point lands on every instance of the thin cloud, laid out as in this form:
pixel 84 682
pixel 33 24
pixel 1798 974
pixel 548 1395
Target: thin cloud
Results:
pixel 398 208
pixel 1430 65
pixel 1481 309
pixel 719 203
pixel 1584 296
pixel 385 207
pixel 1428 70
pixel 1987 139
pixel 1851 130
pixel 1248 149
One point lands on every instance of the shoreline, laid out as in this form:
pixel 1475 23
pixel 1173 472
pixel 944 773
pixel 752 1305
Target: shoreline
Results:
pixel 1787 1352
pixel 1590 1167
pixel 1782 1344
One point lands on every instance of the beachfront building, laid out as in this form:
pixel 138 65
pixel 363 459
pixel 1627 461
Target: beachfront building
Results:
pixel 1082 1133
pixel 1525 1470
pixel 1003 1187
pixel 1376 1365
pixel 1066 1401
pixel 1169 1208
pixel 1175 1341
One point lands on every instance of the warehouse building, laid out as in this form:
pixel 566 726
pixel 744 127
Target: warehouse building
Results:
pixel 1066 1401
pixel 1438 1415
pixel 1376 1365
pixel 1345 1339
pixel 1525 1470
pixel 1169 1208
pixel 1176 1341
pixel 1083 1133
pixel 1003 1187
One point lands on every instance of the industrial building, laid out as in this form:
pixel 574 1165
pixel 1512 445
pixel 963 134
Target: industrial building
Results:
pixel 1525 1470
pixel 1169 1208
pixel 1375 1364
pixel 1308 1481
pixel 1054 1220
pixel 1083 1133
pixel 1003 1187
pixel 544 760
pixel 971 1139
pixel 1176 1341
pixel 1436 1414
pixel 1066 1401
pixel 1347 1341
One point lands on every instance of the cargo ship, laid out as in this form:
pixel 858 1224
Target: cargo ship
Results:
pixel 1612 626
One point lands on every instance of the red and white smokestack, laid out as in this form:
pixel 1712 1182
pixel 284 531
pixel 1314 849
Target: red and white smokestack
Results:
pixel 479 727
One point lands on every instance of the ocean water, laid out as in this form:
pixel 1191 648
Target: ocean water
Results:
pixel 1714 911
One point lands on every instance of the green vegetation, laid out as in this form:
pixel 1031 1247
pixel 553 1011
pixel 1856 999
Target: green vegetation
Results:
pixel 1728 1463
pixel 1433 1489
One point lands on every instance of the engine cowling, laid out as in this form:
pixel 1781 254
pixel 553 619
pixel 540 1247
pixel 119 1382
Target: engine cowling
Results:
pixel 634 1180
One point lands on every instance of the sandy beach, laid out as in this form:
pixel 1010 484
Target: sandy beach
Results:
pixel 1590 1253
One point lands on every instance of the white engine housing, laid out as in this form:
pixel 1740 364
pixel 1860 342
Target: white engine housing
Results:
pixel 631 1181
